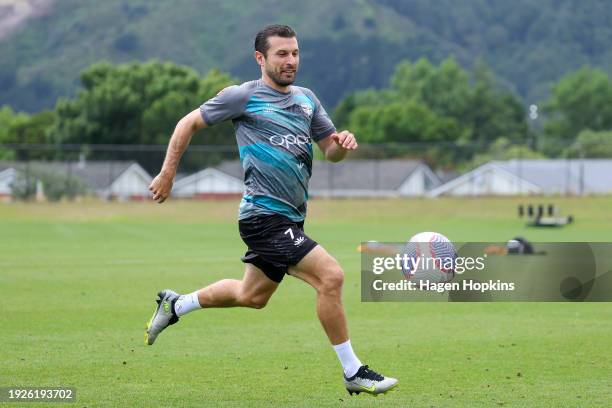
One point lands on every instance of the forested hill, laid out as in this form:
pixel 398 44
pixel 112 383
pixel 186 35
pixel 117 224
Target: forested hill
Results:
pixel 346 44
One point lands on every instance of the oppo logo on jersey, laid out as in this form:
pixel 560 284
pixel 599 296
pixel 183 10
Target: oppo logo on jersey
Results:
pixel 289 140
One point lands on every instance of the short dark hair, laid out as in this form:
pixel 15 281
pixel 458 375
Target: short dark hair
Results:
pixel 261 39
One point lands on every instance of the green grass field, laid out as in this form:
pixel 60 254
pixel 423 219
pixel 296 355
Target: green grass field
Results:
pixel 78 282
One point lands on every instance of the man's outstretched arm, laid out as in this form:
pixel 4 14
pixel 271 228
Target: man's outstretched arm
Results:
pixel 185 128
pixel 337 145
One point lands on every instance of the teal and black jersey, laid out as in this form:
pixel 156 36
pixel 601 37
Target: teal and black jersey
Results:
pixel 274 131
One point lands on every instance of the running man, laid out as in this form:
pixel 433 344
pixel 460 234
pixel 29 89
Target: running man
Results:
pixel 276 123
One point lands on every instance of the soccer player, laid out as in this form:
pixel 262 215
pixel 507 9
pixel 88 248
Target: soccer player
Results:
pixel 276 123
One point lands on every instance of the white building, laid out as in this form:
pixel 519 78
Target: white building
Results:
pixel 121 180
pixel 351 178
pixel 7 177
pixel 208 183
pixel 372 178
pixel 518 177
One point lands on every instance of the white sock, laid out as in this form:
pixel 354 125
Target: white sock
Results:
pixel 348 359
pixel 187 303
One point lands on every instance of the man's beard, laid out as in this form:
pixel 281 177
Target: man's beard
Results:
pixel 279 80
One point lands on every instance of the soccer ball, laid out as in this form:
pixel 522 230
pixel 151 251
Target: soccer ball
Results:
pixel 430 257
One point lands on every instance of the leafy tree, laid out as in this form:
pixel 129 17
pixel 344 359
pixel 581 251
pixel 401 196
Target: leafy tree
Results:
pixel 581 100
pixel 367 97
pixel 445 90
pixel 504 149
pixel 138 103
pixel 8 118
pixel 591 144
pixel 408 121
pixel 425 103
pixel 21 128
pixel 491 113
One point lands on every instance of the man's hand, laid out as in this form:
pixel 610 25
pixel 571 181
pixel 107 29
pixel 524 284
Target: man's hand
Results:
pixel 345 140
pixel 336 146
pixel 161 187
pixel 185 128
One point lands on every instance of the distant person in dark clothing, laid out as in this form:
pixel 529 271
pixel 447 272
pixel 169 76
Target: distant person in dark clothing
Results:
pixel 516 246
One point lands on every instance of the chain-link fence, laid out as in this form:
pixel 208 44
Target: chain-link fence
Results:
pixel 52 172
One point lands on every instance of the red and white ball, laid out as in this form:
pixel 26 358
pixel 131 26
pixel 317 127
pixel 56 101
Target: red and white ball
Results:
pixel 437 258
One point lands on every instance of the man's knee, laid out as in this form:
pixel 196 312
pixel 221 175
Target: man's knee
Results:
pixel 332 279
pixel 255 301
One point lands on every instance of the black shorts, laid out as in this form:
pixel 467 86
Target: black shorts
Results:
pixel 274 243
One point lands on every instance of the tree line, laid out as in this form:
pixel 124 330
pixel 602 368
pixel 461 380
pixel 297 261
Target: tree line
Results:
pixel 448 115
